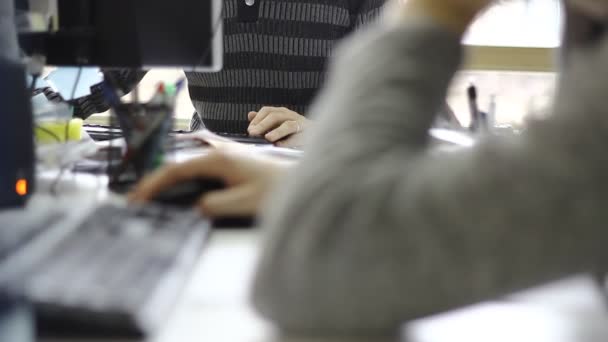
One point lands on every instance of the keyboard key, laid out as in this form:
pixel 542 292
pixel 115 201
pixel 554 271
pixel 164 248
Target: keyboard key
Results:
pixel 107 271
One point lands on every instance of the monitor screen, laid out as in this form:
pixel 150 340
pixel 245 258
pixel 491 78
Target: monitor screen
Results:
pixel 185 34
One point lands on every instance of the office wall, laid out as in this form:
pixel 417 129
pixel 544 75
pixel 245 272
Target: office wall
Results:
pixel 511 54
pixel 518 95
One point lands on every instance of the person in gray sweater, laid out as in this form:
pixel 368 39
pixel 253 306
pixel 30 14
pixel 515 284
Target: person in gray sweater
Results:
pixel 372 229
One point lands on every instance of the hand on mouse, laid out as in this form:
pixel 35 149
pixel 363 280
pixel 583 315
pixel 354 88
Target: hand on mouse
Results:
pixel 280 126
pixel 248 181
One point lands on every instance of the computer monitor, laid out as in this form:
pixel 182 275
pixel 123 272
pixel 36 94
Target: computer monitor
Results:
pixel 138 34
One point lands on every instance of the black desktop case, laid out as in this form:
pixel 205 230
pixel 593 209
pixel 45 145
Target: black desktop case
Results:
pixel 16 135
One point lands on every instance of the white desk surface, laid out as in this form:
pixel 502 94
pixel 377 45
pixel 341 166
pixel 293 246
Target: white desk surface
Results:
pixel 214 306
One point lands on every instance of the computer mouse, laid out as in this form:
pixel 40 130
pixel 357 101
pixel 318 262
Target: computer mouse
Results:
pixel 187 193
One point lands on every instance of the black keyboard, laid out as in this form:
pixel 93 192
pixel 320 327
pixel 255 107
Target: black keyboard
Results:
pixel 103 133
pixel 115 272
pixel 244 138
pixel 17 229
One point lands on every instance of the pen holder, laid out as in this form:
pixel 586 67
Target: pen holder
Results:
pixel 145 128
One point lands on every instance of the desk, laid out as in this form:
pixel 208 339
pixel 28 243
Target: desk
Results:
pixel 214 307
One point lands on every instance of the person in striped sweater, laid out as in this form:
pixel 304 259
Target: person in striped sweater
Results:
pixel 273 67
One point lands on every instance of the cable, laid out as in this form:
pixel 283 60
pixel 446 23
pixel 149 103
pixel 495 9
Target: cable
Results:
pixel 110 95
pixel 110 155
pixel 75 85
pixel 73 93
pixel 55 184
pixel 49 132
pixel 33 84
pixel 67 131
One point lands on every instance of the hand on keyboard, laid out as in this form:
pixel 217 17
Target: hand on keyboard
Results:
pixel 279 125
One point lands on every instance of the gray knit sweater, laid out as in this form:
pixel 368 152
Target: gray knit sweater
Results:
pixel 372 230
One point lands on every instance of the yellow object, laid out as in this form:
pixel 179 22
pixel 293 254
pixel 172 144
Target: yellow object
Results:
pixel 21 187
pixel 55 131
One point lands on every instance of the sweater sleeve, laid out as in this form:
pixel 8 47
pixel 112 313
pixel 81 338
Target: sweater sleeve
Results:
pixel 374 229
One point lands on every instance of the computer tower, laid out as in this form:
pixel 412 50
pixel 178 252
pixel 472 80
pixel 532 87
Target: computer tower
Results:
pixel 17 160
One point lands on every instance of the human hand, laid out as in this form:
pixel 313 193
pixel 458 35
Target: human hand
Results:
pixel 278 125
pixel 248 181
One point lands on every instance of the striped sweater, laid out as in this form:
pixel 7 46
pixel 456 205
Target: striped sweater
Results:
pixel 277 60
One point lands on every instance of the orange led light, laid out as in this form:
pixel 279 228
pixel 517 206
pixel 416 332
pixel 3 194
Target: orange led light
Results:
pixel 21 187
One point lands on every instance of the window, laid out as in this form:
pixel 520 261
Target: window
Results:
pixel 519 23
pixel 511 57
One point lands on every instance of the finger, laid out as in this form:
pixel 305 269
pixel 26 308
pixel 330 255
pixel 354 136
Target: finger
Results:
pixel 262 113
pixel 236 201
pixel 272 121
pixel 287 128
pixel 212 166
pixel 251 116
pixel 283 143
pixel 293 141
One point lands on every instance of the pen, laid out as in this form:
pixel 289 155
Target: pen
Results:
pixel 473 109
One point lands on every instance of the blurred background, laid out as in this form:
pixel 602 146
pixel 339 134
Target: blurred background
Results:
pixel 512 59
